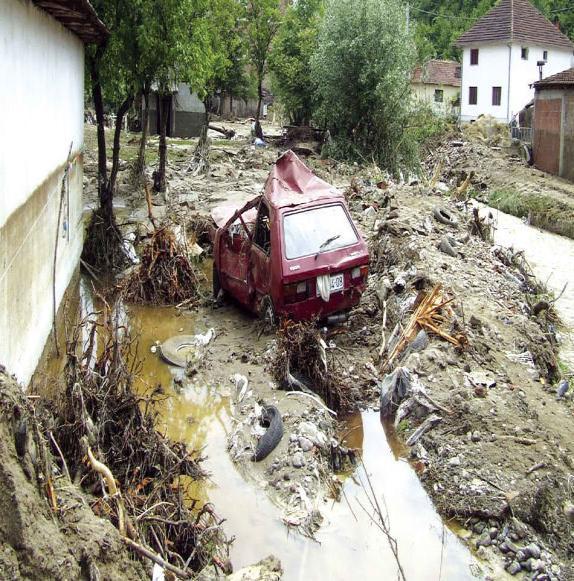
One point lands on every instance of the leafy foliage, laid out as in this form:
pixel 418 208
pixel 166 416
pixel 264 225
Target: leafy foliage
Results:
pixel 262 19
pixel 290 59
pixel 362 67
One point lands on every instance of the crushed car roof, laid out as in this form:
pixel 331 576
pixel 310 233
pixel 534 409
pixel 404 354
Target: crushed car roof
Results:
pixel 292 183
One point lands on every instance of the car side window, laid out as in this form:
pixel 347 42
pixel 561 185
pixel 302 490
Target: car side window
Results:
pixel 263 229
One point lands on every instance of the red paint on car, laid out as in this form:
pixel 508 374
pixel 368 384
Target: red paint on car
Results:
pixel 273 249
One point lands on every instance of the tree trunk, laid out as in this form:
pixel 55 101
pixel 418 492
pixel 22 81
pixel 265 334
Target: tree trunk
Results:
pixel 139 170
pixel 94 68
pixel 258 128
pixel 124 108
pixel 164 105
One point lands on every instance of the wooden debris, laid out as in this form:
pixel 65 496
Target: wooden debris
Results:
pixel 431 315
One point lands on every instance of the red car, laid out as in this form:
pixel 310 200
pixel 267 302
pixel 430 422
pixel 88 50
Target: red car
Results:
pixel 293 251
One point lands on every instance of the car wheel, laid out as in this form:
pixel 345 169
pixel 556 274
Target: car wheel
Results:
pixel 444 216
pixel 267 313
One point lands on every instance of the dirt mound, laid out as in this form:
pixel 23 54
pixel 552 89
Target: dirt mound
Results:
pixel 37 542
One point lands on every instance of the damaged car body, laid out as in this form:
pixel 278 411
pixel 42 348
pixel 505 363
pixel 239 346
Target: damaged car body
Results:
pixel 293 251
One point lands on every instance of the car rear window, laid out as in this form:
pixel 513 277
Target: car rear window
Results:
pixel 316 230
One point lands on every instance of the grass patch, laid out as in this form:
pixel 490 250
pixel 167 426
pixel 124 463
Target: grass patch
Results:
pixel 542 210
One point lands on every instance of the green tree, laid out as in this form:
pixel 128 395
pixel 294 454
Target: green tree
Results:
pixel 178 36
pixel 362 68
pixel 262 19
pixel 290 59
pixel 112 79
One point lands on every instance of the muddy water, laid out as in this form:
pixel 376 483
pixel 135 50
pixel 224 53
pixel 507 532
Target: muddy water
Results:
pixel 552 260
pixel 349 545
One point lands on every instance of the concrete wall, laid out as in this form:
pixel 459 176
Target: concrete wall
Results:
pixel 41 105
pixel 491 71
pixel 502 66
pixel 525 72
pixel 424 92
pixel 188 114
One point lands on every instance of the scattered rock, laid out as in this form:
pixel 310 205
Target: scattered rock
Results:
pixel 514 568
pixel 298 461
pixel 305 444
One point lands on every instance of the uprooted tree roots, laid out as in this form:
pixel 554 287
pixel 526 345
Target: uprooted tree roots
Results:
pixel 166 276
pixel 100 416
pixel 103 248
pixel 302 362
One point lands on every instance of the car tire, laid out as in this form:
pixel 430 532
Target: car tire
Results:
pixel 267 313
pixel 444 217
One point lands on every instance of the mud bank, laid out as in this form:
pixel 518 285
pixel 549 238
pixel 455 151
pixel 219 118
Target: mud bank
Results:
pixel 496 462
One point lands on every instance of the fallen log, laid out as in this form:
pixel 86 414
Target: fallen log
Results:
pixel 228 133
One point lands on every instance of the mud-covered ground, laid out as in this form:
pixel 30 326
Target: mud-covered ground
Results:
pixel 498 457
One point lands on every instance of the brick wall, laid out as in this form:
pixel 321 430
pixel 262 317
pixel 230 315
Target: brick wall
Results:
pixel 547 120
pixel 567 169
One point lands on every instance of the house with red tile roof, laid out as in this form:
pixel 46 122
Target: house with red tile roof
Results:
pixel 437 83
pixel 504 54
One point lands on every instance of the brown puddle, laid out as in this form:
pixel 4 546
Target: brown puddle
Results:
pixel 349 545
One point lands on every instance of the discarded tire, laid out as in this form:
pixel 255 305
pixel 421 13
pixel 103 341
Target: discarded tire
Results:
pixel 269 440
pixel 174 349
pixel 444 217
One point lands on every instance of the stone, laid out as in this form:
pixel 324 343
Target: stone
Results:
pixel 475 437
pixel 514 568
pixel 484 540
pixel 446 247
pixel 534 564
pixel 533 550
pixel 481 553
pixel 298 461
pixel 512 546
pixel 305 444
pixel 478 527
pixel 521 556
pixel 454 461
pixel 493 532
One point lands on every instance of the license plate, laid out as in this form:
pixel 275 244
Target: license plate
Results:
pixel 337 283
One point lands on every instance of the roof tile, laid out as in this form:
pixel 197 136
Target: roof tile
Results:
pixel 437 72
pixel 515 21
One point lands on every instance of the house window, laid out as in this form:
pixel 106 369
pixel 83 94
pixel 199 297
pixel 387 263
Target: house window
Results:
pixel 472 95
pixel 545 55
pixel 524 53
pixel 458 73
pixel 496 95
pixel 438 95
pixel 473 56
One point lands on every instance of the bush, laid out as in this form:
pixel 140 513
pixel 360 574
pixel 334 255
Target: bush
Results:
pixel 362 68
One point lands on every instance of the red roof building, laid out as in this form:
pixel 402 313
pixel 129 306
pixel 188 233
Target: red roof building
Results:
pixel 504 54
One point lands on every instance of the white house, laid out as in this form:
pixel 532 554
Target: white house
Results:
pixel 502 57
pixel 42 120
pixel 437 83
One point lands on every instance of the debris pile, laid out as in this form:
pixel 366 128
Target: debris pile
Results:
pixel 142 477
pixel 301 363
pixel 165 276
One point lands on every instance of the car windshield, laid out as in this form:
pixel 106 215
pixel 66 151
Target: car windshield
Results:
pixel 317 230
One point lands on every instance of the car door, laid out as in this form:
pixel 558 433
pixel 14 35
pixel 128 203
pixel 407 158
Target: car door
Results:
pixel 261 253
pixel 234 261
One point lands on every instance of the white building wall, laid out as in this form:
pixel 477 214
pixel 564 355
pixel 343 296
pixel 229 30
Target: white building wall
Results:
pixel 425 92
pixel 491 71
pixel 525 72
pixel 502 66
pixel 41 114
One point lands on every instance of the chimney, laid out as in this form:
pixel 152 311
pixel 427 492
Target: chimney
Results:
pixel 557 23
